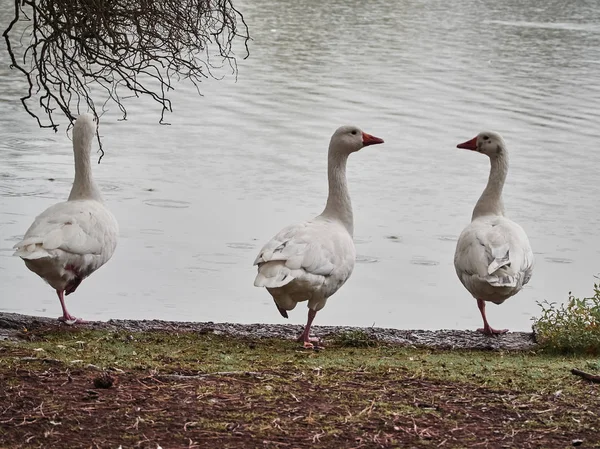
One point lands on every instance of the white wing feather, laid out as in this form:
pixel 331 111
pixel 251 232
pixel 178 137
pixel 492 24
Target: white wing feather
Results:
pixel 312 251
pixel 71 227
pixel 493 250
pixel 81 234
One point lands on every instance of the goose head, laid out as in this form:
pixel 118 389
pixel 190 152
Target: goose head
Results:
pixel 84 131
pixel 349 139
pixel 486 142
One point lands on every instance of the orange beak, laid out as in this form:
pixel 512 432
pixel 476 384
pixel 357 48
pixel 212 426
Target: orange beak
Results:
pixel 368 139
pixel 469 144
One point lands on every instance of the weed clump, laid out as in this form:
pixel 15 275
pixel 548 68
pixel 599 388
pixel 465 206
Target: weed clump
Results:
pixel 573 327
pixel 355 339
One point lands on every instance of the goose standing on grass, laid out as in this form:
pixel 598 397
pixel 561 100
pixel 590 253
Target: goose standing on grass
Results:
pixel 70 240
pixel 310 261
pixel 493 258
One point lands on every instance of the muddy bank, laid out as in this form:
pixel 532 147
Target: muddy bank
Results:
pixel 12 324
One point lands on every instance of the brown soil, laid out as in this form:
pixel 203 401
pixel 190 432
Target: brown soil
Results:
pixel 55 407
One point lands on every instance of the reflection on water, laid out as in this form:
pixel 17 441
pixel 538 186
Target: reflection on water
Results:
pixel 195 200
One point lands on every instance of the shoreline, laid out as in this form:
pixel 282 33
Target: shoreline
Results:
pixel 12 325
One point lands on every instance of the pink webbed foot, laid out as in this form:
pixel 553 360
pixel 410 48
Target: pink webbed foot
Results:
pixel 305 335
pixel 66 317
pixel 313 344
pixel 309 343
pixel 491 331
pixel 487 329
pixel 70 320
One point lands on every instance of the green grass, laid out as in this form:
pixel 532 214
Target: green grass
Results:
pixel 355 339
pixel 206 353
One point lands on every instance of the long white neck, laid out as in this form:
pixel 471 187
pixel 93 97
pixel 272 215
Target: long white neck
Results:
pixel 338 205
pixel 490 202
pixel 84 186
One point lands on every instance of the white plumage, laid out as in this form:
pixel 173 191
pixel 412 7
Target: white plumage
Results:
pixel 310 261
pixel 493 257
pixel 318 255
pixel 70 240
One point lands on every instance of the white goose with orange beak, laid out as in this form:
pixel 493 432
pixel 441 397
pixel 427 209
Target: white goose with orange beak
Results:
pixel 310 261
pixel 493 258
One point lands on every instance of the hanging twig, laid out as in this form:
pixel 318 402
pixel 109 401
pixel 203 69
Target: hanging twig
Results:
pixel 74 52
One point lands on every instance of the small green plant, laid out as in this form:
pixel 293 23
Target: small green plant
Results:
pixel 355 339
pixel 593 365
pixel 573 327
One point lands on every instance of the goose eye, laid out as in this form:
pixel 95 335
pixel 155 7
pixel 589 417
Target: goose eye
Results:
pixel 354 132
pixel 486 137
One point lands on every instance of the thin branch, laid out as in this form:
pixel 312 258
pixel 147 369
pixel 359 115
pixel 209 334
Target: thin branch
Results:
pixel 71 46
pixel 587 376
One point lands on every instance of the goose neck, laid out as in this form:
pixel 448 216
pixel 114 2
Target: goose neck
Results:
pixel 338 205
pixel 84 186
pixel 490 202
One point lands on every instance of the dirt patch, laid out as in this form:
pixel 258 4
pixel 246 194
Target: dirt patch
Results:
pixel 48 406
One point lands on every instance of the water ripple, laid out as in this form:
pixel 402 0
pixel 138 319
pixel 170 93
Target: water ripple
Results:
pixel 366 259
pixel 423 77
pixel 167 204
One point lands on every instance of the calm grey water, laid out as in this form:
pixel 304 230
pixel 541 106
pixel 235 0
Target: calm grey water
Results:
pixel 197 199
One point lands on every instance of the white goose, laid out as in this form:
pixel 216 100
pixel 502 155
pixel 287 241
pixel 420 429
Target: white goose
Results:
pixel 493 258
pixel 310 261
pixel 70 240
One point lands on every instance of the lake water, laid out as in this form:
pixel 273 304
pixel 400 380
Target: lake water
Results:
pixel 196 200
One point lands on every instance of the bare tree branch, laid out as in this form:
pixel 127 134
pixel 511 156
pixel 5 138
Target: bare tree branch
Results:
pixel 71 47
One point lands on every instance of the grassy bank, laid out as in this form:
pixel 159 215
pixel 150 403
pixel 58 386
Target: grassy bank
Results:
pixel 65 387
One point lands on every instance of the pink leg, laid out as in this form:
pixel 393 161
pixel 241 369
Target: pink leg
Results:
pixel 66 316
pixel 487 329
pixel 305 335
